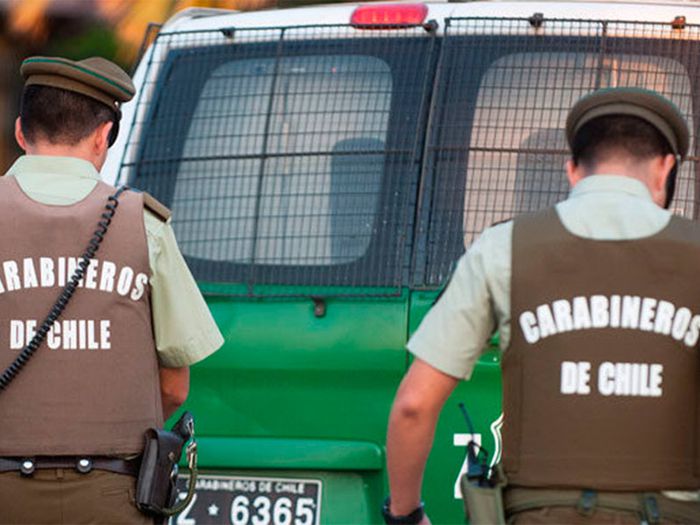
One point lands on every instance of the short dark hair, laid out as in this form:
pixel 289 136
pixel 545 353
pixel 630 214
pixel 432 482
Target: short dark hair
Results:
pixel 617 135
pixel 60 116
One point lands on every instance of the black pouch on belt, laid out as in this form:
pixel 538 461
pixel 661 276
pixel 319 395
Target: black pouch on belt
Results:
pixel 156 487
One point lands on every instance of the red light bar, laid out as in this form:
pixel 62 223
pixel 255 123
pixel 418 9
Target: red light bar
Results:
pixel 388 16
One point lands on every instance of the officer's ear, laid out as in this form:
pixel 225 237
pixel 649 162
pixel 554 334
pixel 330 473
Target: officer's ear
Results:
pixel 670 162
pixel 101 136
pixel 19 134
pixel 661 174
pixel 574 172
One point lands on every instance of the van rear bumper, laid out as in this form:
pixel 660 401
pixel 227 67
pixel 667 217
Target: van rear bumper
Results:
pixel 285 481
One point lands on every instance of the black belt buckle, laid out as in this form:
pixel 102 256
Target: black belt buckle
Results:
pixel 83 465
pixel 27 466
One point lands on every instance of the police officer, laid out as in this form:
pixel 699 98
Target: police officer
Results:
pixel 117 361
pixel 598 309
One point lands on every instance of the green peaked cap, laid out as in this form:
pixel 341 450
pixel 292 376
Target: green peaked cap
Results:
pixel 648 105
pixel 95 77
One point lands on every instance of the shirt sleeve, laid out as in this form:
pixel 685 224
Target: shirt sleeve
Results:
pixel 454 333
pixel 184 329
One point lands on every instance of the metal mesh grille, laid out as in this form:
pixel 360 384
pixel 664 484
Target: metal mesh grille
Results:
pixel 287 155
pixel 333 159
pixel 496 143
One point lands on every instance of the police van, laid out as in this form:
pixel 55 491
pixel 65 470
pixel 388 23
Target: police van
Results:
pixel 326 167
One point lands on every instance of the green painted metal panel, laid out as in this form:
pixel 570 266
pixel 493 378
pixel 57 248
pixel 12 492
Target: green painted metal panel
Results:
pixel 305 454
pixel 286 373
pixel 292 394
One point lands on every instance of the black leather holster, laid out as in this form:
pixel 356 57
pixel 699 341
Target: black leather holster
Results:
pixel 156 486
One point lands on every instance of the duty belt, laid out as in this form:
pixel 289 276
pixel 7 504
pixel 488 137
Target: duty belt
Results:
pixel 83 464
pixel 652 507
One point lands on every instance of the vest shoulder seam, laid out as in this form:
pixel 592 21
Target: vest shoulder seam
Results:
pixel 156 207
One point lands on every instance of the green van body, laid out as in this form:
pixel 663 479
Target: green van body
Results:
pixel 324 181
pixel 331 381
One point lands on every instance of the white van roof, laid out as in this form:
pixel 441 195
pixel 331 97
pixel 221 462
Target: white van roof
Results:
pixel 625 10
pixel 229 26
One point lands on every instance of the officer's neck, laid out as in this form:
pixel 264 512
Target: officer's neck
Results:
pixel 651 172
pixel 641 170
pixel 92 148
pixel 83 150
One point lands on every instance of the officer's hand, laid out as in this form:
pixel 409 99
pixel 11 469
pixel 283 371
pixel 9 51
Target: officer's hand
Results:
pixel 425 520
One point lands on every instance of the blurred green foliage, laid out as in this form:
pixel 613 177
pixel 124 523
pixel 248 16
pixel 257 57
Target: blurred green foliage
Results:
pixel 93 40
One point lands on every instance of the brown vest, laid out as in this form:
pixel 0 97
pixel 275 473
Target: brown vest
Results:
pixel 601 376
pixel 92 387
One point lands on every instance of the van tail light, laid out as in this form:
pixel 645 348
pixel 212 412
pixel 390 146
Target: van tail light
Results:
pixel 388 16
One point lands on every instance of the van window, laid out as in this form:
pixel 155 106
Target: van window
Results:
pixel 521 111
pixel 314 209
pixel 289 162
pixel 496 144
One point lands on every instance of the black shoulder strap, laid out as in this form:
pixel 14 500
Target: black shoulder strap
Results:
pixel 57 309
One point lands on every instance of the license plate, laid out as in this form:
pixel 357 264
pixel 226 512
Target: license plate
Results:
pixel 234 500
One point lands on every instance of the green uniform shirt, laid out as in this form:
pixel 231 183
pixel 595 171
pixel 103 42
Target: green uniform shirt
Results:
pixel 184 329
